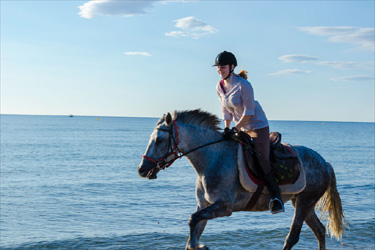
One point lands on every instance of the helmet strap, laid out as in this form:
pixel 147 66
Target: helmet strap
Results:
pixel 230 73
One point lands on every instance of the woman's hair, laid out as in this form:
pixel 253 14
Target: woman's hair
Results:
pixel 243 74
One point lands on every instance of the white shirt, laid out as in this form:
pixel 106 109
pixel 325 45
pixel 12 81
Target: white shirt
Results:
pixel 239 101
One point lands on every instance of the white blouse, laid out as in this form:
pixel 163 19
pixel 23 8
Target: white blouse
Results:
pixel 239 101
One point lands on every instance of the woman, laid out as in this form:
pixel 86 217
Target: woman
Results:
pixel 238 104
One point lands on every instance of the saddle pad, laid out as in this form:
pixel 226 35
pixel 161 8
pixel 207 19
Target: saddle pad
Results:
pixel 250 186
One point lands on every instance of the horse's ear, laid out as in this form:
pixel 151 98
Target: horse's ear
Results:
pixel 168 119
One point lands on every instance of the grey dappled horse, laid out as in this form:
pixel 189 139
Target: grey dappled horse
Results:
pixel 195 134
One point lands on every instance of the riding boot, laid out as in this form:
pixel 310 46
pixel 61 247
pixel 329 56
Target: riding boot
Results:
pixel 274 190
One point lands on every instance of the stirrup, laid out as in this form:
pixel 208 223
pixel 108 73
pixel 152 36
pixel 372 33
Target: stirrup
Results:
pixel 277 211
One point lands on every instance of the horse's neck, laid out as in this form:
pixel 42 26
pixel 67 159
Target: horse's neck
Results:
pixel 192 137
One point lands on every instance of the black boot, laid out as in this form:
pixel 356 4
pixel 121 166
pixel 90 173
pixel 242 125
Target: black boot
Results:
pixel 274 190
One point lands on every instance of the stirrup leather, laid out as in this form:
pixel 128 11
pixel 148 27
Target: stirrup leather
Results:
pixel 278 211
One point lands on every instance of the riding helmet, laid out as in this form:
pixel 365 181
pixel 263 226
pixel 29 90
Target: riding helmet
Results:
pixel 225 58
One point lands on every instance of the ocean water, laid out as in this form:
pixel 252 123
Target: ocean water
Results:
pixel 72 183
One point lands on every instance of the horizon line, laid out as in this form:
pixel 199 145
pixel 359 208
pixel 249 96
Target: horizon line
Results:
pixel 150 117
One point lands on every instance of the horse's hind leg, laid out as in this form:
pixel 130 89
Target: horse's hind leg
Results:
pixel 303 207
pixel 317 227
pixel 295 229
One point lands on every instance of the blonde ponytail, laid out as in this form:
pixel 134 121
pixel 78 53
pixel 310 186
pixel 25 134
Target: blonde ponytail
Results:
pixel 243 74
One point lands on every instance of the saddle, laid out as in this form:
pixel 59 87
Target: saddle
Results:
pixel 284 161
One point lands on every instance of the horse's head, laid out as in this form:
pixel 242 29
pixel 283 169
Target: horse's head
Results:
pixel 161 150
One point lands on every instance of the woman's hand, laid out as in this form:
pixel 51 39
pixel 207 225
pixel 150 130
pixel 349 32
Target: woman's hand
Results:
pixel 228 134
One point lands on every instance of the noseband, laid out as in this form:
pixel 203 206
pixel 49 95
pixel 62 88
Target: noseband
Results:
pixel 161 163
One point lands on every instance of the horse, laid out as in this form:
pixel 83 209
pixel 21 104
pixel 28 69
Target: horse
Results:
pixel 196 135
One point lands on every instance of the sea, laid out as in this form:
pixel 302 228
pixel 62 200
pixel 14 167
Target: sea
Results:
pixel 72 183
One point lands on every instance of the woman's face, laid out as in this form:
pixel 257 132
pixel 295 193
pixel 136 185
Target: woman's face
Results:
pixel 223 71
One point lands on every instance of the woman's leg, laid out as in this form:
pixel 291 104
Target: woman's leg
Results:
pixel 262 148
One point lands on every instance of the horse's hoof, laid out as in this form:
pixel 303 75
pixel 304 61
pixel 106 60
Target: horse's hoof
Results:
pixel 200 247
pixel 203 247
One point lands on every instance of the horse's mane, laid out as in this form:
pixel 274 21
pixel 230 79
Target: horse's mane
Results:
pixel 199 118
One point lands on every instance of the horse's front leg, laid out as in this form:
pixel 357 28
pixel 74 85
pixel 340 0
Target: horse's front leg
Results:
pixel 198 220
pixel 199 228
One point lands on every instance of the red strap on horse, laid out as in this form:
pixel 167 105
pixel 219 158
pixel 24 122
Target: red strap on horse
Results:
pixel 173 152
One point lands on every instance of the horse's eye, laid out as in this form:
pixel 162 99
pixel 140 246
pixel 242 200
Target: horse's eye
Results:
pixel 158 140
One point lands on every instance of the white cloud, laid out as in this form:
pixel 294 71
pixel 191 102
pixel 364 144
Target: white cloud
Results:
pixel 191 23
pixel 356 78
pixel 363 37
pixel 333 64
pixel 191 27
pixel 126 8
pixel 341 65
pixel 114 8
pixel 137 53
pixel 297 58
pixel 289 72
pixel 176 34
pixel 327 31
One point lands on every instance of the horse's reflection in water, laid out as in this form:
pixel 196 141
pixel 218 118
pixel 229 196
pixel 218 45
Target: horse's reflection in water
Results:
pixel 218 190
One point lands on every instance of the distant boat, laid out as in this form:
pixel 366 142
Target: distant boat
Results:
pixel 71 115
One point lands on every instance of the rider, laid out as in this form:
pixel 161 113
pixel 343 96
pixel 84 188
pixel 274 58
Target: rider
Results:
pixel 238 104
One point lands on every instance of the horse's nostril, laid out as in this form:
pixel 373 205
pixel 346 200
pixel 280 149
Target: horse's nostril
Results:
pixel 142 171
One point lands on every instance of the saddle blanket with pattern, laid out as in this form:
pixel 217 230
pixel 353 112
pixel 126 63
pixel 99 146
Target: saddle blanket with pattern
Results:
pixel 249 185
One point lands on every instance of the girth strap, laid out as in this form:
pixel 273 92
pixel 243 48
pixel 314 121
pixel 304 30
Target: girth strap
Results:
pixel 253 200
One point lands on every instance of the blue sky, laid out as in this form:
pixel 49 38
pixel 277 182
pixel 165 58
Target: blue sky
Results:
pixel 306 60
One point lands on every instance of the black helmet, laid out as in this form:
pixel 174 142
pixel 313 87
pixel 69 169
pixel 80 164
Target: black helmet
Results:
pixel 225 58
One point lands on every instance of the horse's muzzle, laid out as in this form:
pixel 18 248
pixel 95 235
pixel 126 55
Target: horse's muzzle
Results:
pixel 147 169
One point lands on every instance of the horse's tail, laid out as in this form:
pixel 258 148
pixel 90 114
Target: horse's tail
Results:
pixel 331 203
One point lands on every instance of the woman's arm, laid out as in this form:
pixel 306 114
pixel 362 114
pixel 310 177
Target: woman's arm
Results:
pixel 242 122
pixel 227 123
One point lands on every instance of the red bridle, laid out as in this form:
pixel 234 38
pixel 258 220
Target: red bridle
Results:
pixel 161 162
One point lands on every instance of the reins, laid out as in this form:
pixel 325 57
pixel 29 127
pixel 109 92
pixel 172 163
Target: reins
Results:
pixel 161 163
